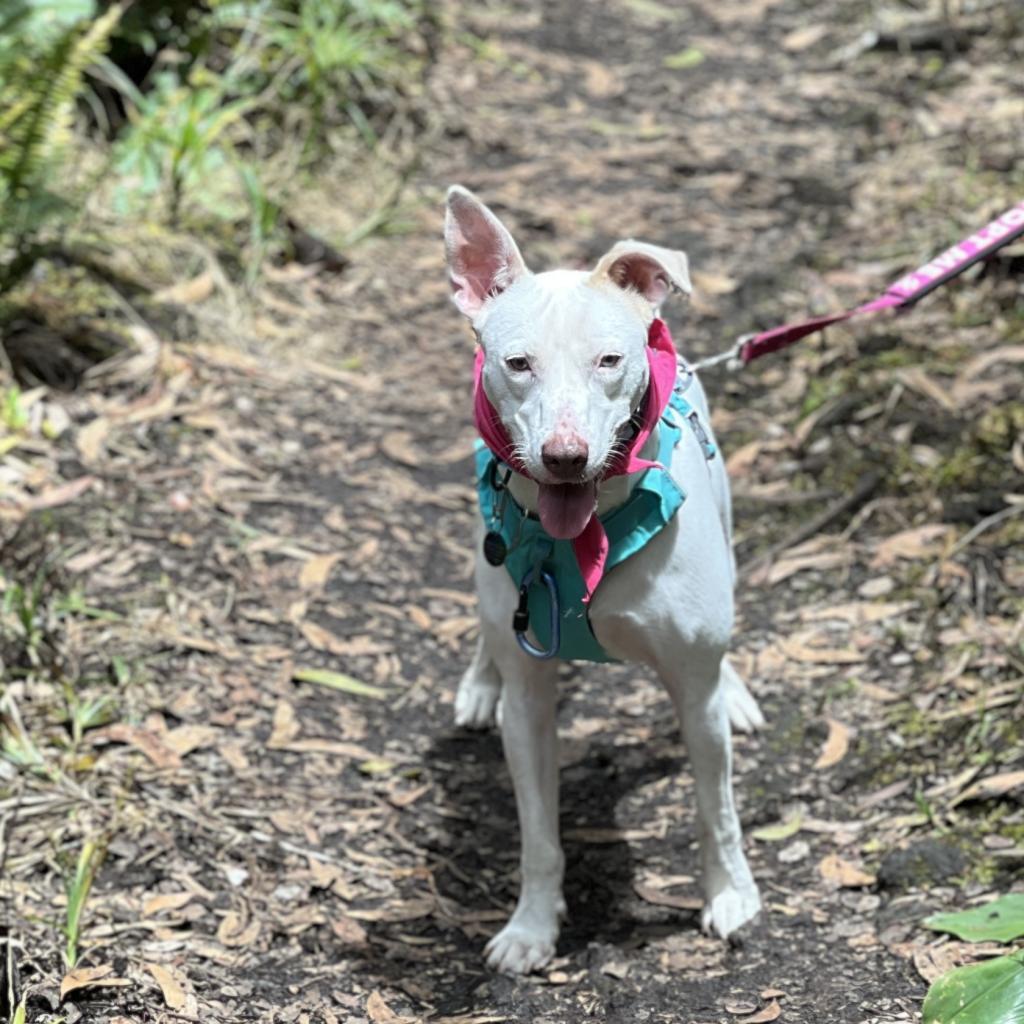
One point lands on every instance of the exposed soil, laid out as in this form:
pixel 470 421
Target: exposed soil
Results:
pixel 293 852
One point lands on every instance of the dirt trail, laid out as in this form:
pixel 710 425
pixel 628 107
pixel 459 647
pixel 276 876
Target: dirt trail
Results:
pixel 348 855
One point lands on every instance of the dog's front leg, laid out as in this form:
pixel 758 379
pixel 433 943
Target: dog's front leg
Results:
pixel 696 686
pixel 529 696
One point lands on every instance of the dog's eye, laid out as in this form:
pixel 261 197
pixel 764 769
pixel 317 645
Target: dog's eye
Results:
pixel 610 361
pixel 518 364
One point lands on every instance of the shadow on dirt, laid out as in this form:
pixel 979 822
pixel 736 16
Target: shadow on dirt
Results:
pixel 473 846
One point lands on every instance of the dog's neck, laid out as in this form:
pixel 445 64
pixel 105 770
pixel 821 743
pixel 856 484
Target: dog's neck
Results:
pixel 611 493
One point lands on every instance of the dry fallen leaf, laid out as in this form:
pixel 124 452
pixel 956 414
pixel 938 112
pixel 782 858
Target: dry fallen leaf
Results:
pixel 917 380
pixel 285 726
pixel 92 438
pixel 857 613
pixel 769 1013
pixel 712 283
pixel 837 743
pixel 663 899
pixel 406 798
pixel 324 640
pixel 615 969
pixel 742 460
pixel 741 1007
pixel 148 741
pixel 61 494
pixel 876 692
pixel 166 901
pixel 933 961
pixel 992 786
pixel 418 617
pixel 920 542
pixel 234 930
pixel 187 738
pixel 172 984
pixel 379 1012
pixel 82 977
pixel 797 649
pixel 349 931
pixel 187 293
pixel 781 570
pixel 600 81
pixel 316 571
pixel 843 874
pixel 398 446
pixel 803 37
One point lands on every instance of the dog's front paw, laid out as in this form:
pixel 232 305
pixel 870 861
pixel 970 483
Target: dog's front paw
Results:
pixel 729 909
pixel 521 948
pixel 475 702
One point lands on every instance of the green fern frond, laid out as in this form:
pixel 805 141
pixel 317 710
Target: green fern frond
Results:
pixel 31 139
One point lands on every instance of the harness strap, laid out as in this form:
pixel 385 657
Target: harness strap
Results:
pixel 545 571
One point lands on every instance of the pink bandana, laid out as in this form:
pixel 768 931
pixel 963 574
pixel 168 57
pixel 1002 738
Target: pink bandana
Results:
pixel 591 546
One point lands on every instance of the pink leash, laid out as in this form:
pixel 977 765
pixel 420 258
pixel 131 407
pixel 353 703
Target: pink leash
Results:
pixel 905 292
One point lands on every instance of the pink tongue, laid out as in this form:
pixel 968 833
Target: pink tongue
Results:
pixel 565 509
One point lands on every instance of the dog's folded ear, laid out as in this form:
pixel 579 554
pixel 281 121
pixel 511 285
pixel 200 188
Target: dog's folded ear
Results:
pixel 483 259
pixel 648 270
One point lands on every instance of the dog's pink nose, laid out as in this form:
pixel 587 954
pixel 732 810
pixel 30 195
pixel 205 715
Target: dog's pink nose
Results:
pixel 565 456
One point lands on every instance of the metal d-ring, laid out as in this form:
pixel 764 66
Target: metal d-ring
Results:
pixel 521 620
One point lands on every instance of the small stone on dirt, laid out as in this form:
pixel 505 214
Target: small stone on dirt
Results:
pixel 922 863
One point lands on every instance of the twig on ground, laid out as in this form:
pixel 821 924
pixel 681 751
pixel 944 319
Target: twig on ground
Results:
pixel 865 488
pixel 987 523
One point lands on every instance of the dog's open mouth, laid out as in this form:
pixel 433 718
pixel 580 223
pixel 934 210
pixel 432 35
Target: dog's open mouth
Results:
pixel 565 509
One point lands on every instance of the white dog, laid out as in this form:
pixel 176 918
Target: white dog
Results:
pixel 566 378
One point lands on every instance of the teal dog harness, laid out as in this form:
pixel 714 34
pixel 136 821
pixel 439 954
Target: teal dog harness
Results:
pixel 545 570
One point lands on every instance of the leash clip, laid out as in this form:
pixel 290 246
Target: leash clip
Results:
pixel 521 618
pixel 732 356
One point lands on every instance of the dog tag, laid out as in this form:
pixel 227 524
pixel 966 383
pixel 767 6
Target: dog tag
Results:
pixel 495 548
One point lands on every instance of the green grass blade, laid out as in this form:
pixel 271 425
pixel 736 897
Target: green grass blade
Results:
pixel 78 888
pixel 338 681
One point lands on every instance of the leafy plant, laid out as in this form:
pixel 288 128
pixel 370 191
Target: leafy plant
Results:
pixel 1002 920
pixel 21 617
pixel 986 993
pixel 326 54
pixel 12 411
pixel 78 886
pixel 179 137
pixel 88 713
pixel 45 48
pixel 15 742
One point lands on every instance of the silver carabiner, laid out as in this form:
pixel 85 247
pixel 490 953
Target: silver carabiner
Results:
pixel 521 619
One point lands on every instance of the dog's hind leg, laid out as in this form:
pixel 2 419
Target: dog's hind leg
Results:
pixel 731 896
pixel 740 706
pixel 479 691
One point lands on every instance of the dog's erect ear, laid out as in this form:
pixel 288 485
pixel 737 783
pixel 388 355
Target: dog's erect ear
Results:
pixel 647 269
pixel 483 259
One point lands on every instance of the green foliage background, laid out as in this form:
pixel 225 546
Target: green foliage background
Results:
pixel 186 105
